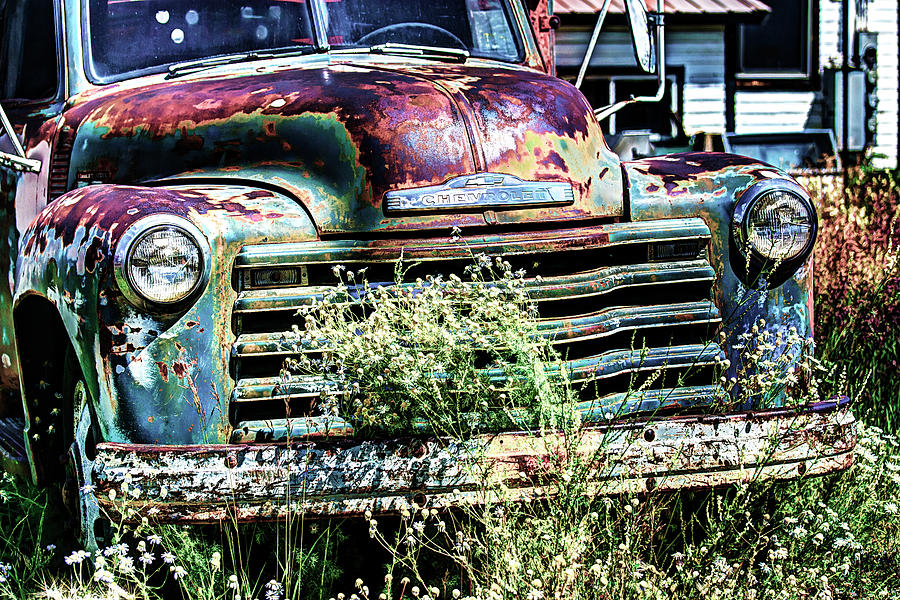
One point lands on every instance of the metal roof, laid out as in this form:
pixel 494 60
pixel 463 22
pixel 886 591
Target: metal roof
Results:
pixel 683 7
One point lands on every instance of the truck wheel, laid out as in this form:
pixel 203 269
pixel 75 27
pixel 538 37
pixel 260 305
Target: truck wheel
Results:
pixel 77 488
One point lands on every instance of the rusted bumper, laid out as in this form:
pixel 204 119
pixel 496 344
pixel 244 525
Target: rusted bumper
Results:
pixel 346 477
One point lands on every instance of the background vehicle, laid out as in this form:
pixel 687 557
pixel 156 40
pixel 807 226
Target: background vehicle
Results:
pixel 174 201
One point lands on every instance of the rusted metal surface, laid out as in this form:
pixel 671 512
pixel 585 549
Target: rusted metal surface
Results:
pixel 339 134
pixel 154 376
pixel 334 477
pixel 706 185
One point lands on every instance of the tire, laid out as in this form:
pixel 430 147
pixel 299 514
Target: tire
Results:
pixel 79 441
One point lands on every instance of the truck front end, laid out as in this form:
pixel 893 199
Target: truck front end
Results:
pixel 215 182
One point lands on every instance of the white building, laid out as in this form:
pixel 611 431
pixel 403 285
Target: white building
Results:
pixel 747 67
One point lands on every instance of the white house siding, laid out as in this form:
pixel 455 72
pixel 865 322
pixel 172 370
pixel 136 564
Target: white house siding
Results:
pixel 882 19
pixel 777 112
pixel 701 51
pixel 830 34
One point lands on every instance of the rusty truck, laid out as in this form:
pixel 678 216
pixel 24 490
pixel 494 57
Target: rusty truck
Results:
pixel 177 178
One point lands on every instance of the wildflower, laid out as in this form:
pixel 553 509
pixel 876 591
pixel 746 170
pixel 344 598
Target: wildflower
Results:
pixel 146 558
pixel 233 581
pixel 535 594
pixel 118 549
pixel 76 558
pixel 177 572
pixel 126 564
pixel 273 590
pixel 890 508
pixel 168 558
pixel 50 547
pixel 103 576
pixel 215 561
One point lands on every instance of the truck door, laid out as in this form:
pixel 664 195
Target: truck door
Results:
pixel 29 99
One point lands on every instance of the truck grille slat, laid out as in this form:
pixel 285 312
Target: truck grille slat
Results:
pixel 268 430
pixel 604 299
pixel 441 250
pixel 587 284
pixel 582 328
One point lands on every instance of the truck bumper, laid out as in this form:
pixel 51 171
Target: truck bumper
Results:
pixel 343 477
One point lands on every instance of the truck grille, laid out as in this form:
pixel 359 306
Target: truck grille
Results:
pixel 616 299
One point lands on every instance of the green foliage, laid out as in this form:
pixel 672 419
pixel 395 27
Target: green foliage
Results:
pixel 450 356
pixel 27 544
pixel 857 279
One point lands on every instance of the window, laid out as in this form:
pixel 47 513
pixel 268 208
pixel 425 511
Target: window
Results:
pixel 782 46
pixel 662 119
pixel 28 68
pixel 482 27
pixel 171 31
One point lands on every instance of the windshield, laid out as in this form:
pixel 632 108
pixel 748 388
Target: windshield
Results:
pixel 131 36
pixel 135 35
pixel 481 27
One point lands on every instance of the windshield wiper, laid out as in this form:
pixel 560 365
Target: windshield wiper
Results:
pixel 192 66
pixel 455 54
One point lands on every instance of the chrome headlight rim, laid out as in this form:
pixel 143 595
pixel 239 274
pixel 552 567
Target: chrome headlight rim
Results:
pixel 126 244
pixel 745 204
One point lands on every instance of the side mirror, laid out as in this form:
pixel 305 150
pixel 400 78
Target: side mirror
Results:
pixel 641 37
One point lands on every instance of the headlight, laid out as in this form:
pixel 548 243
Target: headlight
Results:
pixel 774 227
pixel 161 260
pixel 778 224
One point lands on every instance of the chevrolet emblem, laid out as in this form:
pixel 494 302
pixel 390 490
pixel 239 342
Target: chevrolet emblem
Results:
pixel 484 191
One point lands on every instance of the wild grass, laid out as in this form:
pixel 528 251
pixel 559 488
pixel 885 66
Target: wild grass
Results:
pixel 857 283
pixel 831 537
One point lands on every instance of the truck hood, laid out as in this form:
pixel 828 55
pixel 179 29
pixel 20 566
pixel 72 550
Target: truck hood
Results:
pixel 339 136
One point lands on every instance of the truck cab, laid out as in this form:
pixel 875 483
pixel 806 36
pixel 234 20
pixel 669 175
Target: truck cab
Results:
pixel 178 179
